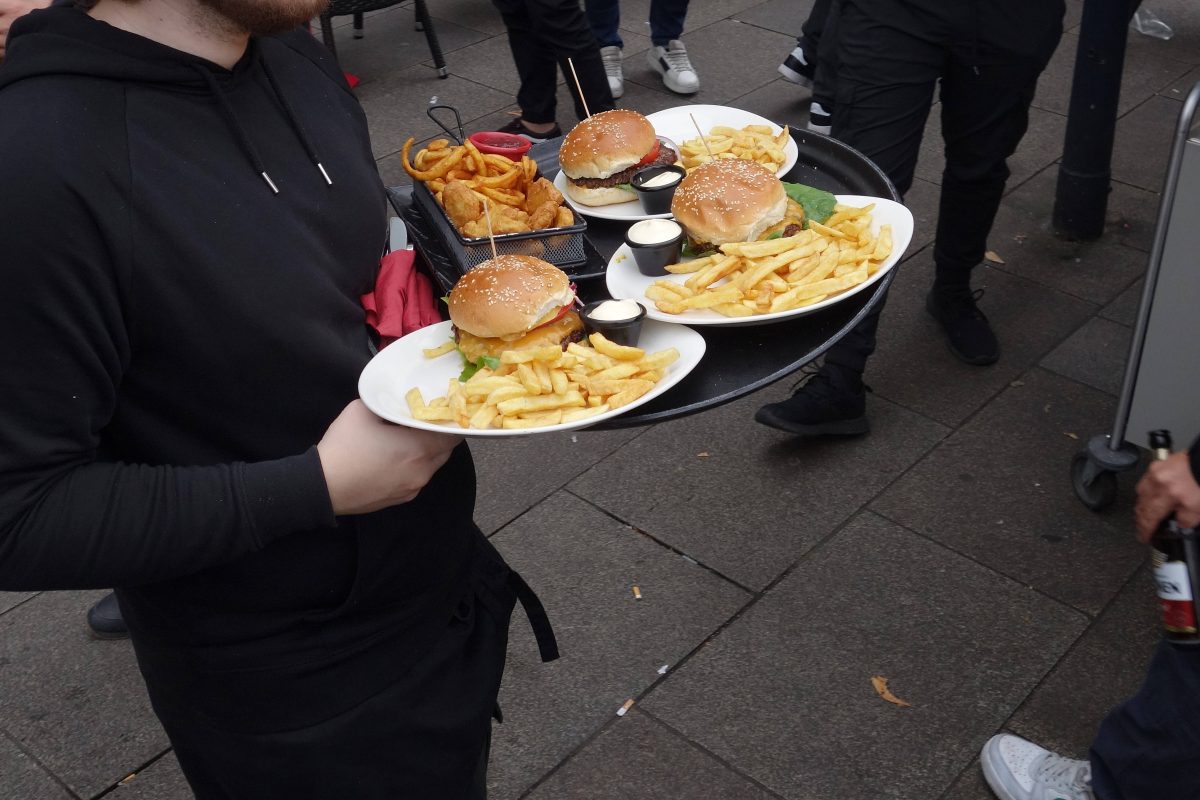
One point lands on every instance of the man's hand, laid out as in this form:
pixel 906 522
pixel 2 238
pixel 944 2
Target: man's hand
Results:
pixel 1168 487
pixel 370 464
pixel 10 10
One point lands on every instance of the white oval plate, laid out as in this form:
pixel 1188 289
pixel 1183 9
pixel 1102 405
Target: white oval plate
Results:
pixel 401 365
pixel 676 125
pixel 626 283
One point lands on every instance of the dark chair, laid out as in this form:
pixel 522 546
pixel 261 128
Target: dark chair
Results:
pixel 340 8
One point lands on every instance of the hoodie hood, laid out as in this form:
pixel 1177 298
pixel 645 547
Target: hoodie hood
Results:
pixel 65 41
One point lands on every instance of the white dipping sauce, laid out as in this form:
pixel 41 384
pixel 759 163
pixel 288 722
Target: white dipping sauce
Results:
pixel 653 231
pixel 611 310
pixel 664 178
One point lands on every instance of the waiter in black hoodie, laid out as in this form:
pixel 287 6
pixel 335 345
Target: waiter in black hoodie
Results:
pixel 190 213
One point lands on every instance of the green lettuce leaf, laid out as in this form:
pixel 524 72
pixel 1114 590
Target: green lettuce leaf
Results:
pixel 471 367
pixel 817 203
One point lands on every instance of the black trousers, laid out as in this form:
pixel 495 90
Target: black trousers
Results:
pixel 543 34
pixel 1149 747
pixel 424 737
pixel 987 57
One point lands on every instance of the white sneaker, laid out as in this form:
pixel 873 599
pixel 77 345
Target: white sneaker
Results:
pixel 672 63
pixel 611 56
pixel 1017 769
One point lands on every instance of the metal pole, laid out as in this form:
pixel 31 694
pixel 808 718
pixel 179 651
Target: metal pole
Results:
pixel 1081 199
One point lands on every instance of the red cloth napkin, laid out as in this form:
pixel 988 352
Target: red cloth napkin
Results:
pixel 403 298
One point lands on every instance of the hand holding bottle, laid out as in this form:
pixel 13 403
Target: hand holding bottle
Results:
pixel 1168 487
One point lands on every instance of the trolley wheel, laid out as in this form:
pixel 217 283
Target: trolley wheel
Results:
pixel 1095 487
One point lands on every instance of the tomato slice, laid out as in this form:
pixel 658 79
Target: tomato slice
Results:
pixel 653 154
pixel 562 312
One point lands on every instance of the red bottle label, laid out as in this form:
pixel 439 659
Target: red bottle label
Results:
pixel 1175 596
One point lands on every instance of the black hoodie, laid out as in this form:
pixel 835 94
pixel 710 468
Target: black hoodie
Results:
pixel 174 338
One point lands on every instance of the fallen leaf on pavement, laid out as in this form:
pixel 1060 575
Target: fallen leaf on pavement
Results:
pixel 881 686
pixel 993 257
pixel 1074 436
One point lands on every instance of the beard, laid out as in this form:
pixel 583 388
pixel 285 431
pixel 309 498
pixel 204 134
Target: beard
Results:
pixel 266 17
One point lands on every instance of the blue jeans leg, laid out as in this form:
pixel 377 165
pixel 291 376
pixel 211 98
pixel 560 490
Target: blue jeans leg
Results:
pixel 605 18
pixel 666 20
pixel 1149 747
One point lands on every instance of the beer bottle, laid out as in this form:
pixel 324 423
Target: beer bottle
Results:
pixel 1175 559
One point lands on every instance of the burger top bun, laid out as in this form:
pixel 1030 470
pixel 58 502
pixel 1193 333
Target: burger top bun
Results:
pixel 728 200
pixel 606 143
pixel 508 295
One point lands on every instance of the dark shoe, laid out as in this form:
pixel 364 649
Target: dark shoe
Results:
pixel 104 619
pixel 796 68
pixel 967 330
pixel 820 119
pixel 829 402
pixel 518 127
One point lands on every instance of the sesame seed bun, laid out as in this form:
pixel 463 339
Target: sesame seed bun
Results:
pixel 508 296
pixel 728 200
pixel 606 143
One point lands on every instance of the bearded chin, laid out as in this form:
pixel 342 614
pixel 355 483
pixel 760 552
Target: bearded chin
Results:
pixel 267 17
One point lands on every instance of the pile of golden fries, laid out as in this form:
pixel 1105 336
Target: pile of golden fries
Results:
pixel 485 194
pixel 767 277
pixel 545 385
pixel 752 143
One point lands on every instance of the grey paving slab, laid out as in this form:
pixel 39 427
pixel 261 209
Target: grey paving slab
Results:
pixel 390 43
pixel 1180 88
pixel 1184 45
pixel 396 105
pixel 162 780
pixel 784 694
pixel 10 600
pixel 970 785
pixel 745 499
pixel 758 57
pixel 781 16
pixel 1104 669
pixel 1095 271
pixel 779 101
pixel 488 62
pixel 913 365
pixel 584 564
pixel 998 490
pixel 1040 147
pixel 1124 309
pixel 1095 355
pixel 21 778
pixel 1143 143
pixel 505 493
pixel 1154 70
pixel 76 705
pixel 640 757
pixel 471 14
pixel 1130 219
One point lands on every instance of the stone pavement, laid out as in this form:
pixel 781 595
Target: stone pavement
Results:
pixel 945 550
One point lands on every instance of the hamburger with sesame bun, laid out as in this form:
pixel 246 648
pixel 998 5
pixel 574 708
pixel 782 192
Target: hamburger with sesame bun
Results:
pixel 600 155
pixel 728 200
pixel 512 303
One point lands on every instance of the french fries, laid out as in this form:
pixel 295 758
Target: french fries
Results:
pixel 752 143
pixel 767 277
pixel 464 180
pixel 544 386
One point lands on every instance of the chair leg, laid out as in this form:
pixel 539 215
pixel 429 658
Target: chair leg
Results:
pixel 435 48
pixel 327 34
pixel 358 26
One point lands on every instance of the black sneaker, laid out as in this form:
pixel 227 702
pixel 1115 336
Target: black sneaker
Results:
pixel 104 619
pixel 820 118
pixel 829 402
pixel 518 127
pixel 967 330
pixel 796 68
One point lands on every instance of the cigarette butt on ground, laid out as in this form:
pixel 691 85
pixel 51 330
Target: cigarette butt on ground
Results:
pixel 628 705
pixel 637 593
